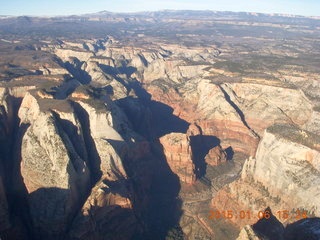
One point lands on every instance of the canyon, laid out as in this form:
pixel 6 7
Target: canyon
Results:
pixel 163 125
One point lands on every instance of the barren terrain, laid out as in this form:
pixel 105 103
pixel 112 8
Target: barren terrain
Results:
pixel 160 125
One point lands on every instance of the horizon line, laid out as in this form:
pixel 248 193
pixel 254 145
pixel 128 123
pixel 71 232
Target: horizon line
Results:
pixel 160 10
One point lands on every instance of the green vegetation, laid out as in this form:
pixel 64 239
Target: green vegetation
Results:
pixel 230 66
pixel 312 97
pixel 175 233
pixel 165 85
pixel 316 108
pixel 95 95
pixel 190 62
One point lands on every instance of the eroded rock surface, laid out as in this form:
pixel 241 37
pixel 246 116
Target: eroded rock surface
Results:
pixel 83 118
pixel 177 150
pixel 283 175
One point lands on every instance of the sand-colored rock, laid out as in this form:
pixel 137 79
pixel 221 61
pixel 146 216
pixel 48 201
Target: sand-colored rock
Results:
pixel 101 121
pixel 313 124
pixel 52 170
pixel 175 70
pixel 20 92
pixel 264 105
pixel 66 53
pixel 43 94
pixel 56 171
pixel 107 213
pixel 80 95
pixel 71 145
pixel 247 233
pixel 194 130
pixel 283 175
pixel 48 70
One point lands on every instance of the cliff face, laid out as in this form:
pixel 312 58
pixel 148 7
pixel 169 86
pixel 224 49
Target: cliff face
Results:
pixel 177 150
pixel 65 147
pixel 207 106
pixel 4 131
pixel 141 136
pixel 292 161
pixel 264 105
pixel 188 154
pixel 237 113
pixel 283 175
pixel 216 156
pixel 107 212
pixel 247 233
pixel 53 172
pixel 313 123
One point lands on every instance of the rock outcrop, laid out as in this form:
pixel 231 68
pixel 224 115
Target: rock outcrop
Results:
pixel 177 150
pixel 108 212
pixel 216 156
pixel 247 233
pixel 67 146
pixel 263 105
pixel 271 228
pixel 56 177
pixel 187 154
pixel 207 106
pixel 82 120
pixel 283 175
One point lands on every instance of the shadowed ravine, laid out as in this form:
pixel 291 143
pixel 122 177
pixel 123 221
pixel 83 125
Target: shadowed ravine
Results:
pixel 159 125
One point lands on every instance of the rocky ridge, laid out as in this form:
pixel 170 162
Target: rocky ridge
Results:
pixel 97 126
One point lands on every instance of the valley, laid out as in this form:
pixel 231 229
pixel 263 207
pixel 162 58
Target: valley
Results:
pixel 137 126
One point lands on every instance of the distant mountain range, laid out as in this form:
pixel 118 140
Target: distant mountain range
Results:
pixel 176 13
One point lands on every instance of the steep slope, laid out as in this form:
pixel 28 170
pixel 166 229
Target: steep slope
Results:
pixel 150 134
pixel 283 176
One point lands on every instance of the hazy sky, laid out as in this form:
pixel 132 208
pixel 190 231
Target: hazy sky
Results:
pixel 67 7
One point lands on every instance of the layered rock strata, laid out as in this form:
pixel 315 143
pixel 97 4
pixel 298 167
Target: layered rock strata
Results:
pixel 283 175
pixel 177 150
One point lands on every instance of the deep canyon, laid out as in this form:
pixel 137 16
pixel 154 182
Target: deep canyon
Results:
pixel 160 125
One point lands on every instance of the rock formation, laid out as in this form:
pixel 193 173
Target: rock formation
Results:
pixel 178 153
pixel 283 175
pixel 139 134
pixel 216 156
pixel 271 228
pixel 53 172
pixel 247 233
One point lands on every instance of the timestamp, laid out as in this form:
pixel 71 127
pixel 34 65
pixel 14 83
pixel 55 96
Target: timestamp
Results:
pixel 248 214
pixel 230 214
pixel 294 214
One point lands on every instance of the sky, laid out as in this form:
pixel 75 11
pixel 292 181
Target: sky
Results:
pixel 69 7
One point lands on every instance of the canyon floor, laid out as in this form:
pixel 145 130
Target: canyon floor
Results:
pixel 160 125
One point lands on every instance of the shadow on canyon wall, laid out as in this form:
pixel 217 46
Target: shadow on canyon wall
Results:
pixel 74 68
pixel 102 222
pixel 272 229
pixel 200 145
pixel 21 226
pixel 152 120
pixel 162 209
pixel 153 188
pixel 230 153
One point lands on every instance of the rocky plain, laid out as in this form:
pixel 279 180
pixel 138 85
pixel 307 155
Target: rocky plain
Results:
pixel 160 125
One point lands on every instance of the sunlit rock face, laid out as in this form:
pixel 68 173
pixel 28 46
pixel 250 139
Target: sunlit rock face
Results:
pixel 136 126
pixel 283 175
pixel 177 150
